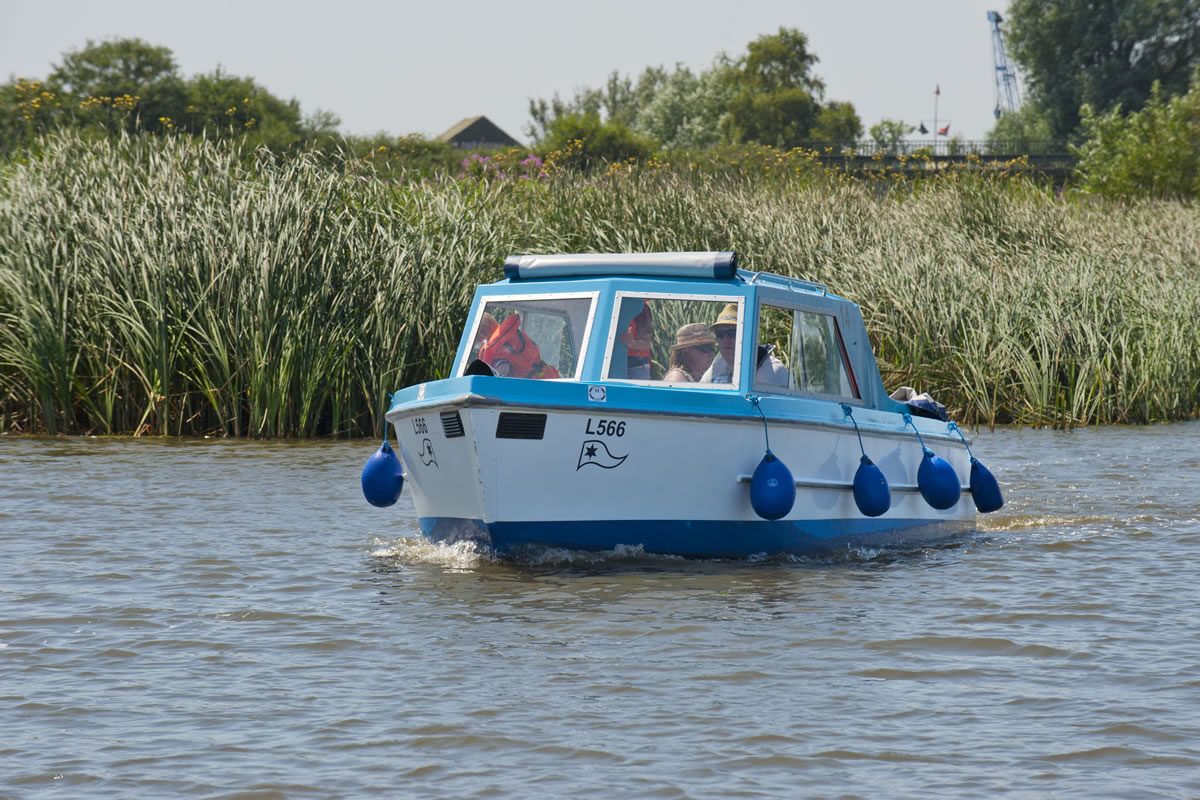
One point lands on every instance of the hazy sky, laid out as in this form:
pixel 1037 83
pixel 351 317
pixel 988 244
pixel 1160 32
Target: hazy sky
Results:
pixel 419 67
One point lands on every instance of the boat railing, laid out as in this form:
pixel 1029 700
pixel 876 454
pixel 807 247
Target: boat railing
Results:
pixel 810 286
pixel 847 486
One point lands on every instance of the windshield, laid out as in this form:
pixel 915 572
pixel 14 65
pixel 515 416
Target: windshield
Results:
pixel 676 339
pixel 531 337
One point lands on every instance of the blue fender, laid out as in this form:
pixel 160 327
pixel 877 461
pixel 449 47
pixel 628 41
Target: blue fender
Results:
pixel 871 492
pixel 772 488
pixel 382 477
pixel 938 481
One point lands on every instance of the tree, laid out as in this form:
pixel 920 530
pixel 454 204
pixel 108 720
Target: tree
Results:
pixel 1024 131
pixel 782 119
pixel 687 110
pixel 781 62
pixel 1150 152
pixel 777 99
pixel 1102 52
pixel 837 125
pixel 888 134
pixel 545 113
pixel 222 105
pixel 122 82
pixel 621 100
pixel 320 124
pixel 624 100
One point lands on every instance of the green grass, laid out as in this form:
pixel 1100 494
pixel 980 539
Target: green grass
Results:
pixel 163 286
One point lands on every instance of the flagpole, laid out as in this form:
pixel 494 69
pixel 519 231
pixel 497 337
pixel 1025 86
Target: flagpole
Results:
pixel 937 92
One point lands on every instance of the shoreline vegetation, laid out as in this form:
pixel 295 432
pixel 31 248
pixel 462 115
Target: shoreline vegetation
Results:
pixel 178 286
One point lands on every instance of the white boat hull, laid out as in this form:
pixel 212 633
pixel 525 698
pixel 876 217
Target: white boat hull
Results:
pixel 673 483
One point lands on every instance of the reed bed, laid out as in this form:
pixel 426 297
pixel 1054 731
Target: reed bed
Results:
pixel 172 286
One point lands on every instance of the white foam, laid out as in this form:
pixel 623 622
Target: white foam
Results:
pixel 463 555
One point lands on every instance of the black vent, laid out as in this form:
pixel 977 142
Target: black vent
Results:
pixel 520 426
pixel 451 424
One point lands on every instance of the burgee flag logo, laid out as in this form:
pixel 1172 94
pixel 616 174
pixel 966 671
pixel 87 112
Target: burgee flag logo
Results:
pixel 594 451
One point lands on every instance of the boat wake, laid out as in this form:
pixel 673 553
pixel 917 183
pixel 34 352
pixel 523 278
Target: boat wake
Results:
pixel 470 555
pixel 466 555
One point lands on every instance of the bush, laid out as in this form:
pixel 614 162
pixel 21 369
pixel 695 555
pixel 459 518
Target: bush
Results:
pixel 583 142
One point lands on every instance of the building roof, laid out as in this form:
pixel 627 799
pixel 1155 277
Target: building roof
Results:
pixel 477 130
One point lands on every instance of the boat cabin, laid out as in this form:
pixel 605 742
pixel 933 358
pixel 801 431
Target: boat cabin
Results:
pixel 671 320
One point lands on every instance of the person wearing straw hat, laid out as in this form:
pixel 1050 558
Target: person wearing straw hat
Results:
pixel 691 354
pixel 770 369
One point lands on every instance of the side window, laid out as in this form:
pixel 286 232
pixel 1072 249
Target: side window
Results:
pixel 676 340
pixel 774 366
pixel 802 351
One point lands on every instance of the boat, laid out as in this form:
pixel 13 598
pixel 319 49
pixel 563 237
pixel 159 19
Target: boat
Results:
pixel 677 403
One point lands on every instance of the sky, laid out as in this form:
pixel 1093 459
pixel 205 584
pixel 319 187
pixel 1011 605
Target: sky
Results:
pixel 419 67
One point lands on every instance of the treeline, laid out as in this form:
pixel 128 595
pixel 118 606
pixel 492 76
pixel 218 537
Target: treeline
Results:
pixel 130 87
pixel 127 85
pixel 1125 100
pixel 768 96
pixel 174 286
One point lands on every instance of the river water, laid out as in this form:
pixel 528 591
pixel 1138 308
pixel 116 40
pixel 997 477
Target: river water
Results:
pixel 231 620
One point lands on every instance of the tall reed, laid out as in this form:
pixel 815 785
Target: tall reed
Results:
pixel 153 285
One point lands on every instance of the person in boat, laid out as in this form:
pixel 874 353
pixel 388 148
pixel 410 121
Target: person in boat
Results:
pixel 637 340
pixel 512 354
pixel 691 354
pixel 770 369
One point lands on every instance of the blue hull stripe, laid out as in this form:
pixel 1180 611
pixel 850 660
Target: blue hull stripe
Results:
pixel 705 538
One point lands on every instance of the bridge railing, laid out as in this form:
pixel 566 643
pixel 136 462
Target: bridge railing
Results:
pixel 991 149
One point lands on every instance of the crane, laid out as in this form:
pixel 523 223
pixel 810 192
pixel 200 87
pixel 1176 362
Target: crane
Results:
pixel 1006 93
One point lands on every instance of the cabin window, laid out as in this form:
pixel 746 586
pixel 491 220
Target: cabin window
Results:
pixel 802 351
pixel 674 339
pixel 530 336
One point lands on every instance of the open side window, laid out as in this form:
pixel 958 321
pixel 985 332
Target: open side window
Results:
pixel 802 351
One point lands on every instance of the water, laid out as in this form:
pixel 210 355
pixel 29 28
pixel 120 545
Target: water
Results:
pixel 230 620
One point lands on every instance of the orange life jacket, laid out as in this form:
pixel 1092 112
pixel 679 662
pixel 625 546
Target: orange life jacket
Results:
pixel 510 353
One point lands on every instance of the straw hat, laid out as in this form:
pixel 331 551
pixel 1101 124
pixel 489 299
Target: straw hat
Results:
pixel 691 335
pixel 728 315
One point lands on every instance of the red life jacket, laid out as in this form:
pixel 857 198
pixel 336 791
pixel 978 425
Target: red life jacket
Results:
pixel 510 353
pixel 640 327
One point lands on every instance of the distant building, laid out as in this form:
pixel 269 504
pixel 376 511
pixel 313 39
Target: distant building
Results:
pixel 478 132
